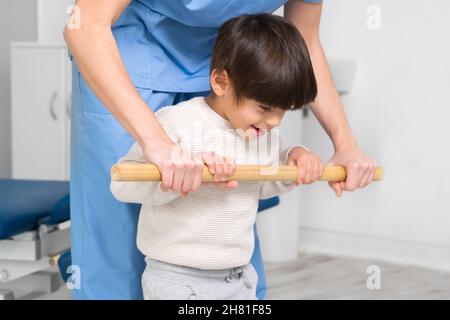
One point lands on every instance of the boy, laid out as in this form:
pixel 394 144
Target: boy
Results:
pixel 199 246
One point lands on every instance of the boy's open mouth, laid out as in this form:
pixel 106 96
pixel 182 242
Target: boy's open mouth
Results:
pixel 258 131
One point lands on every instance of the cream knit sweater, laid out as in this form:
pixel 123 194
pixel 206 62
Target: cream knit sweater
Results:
pixel 213 227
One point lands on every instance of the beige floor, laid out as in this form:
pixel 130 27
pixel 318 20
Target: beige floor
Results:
pixel 315 276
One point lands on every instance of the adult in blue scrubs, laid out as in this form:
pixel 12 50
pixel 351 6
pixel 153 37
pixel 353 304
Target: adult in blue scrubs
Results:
pixel 160 50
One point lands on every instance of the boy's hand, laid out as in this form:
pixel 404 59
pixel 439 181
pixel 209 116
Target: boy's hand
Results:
pixel 310 167
pixel 222 168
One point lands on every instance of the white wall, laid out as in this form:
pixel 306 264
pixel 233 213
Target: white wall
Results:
pixel 398 108
pixel 17 23
pixel 51 19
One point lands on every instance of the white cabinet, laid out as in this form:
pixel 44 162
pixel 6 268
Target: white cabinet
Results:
pixel 40 115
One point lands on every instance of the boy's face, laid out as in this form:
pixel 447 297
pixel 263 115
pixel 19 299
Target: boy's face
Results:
pixel 249 117
pixel 253 118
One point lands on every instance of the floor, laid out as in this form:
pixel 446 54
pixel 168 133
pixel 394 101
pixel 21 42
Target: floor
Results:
pixel 315 276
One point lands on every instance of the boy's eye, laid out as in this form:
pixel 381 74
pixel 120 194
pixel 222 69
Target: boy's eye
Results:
pixel 265 108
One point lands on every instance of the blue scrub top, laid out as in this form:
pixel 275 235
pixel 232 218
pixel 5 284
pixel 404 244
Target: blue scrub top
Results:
pixel 166 45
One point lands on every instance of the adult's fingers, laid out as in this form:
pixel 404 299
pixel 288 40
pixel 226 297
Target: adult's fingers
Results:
pixel 167 172
pixel 355 174
pixel 368 176
pixel 198 171
pixel 336 187
pixel 183 166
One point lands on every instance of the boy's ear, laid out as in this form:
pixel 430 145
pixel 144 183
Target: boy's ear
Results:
pixel 220 82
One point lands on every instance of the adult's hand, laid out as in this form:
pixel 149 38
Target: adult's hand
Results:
pixel 360 169
pixel 182 170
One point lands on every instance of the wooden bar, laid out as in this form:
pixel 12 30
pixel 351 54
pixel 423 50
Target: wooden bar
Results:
pixel 150 172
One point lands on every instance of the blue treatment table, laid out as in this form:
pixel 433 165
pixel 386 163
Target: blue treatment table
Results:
pixel 268 203
pixel 24 203
pixel 34 227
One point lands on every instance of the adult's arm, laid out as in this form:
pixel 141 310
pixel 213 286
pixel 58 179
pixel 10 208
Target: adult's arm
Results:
pixel 96 53
pixel 327 106
pixel 95 50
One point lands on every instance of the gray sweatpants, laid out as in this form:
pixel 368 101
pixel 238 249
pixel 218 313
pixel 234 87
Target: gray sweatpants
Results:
pixel 165 281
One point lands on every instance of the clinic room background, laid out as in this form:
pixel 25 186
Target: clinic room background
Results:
pixel 390 64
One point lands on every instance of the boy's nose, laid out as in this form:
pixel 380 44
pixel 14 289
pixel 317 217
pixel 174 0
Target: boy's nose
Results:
pixel 273 119
pixel 273 122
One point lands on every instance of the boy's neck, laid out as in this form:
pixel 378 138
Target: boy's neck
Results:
pixel 216 105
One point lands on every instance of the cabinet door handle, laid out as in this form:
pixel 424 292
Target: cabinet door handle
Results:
pixel 52 106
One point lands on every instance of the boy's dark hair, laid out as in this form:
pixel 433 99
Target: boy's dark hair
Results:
pixel 267 61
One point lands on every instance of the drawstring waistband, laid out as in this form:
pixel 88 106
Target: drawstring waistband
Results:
pixel 236 274
pixel 229 274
